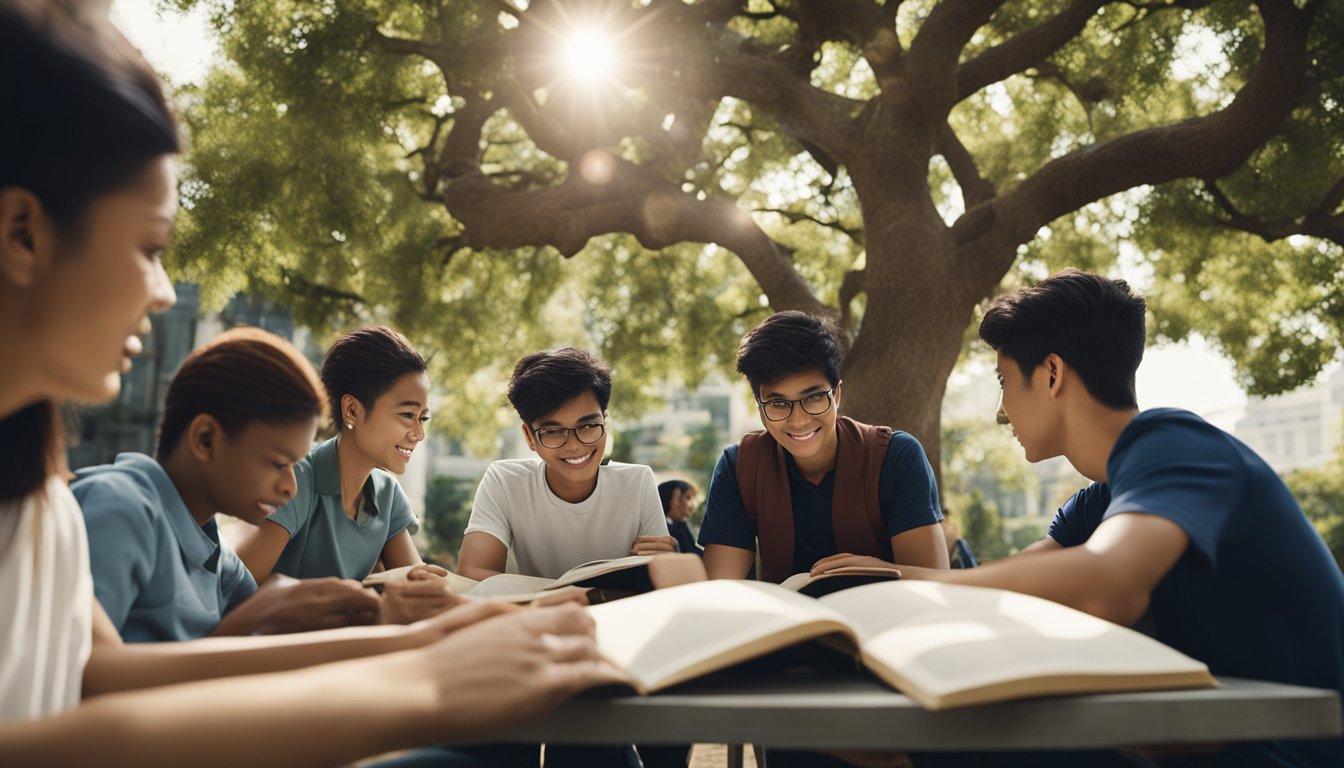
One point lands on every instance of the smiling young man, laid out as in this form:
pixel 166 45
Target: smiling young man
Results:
pixel 564 507
pixel 1183 521
pixel 815 489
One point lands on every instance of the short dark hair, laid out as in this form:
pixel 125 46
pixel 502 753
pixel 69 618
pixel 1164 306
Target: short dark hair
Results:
pixel 84 116
pixel 242 376
pixel 666 488
pixel 544 381
pixel 1095 324
pixel 365 363
pixel 88 114
pixel 788 343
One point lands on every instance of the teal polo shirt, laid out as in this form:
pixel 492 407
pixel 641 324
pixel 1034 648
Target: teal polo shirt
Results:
pixel 158 574
pixel 323 541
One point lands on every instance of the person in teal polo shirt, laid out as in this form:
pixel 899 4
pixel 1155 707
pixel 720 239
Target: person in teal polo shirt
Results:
pixel 348 512
pixel 227 443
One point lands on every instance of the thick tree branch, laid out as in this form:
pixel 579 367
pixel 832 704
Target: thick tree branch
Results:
pixel 632 200
pixel 1025 49
pixel 447 58
pixel 850 287
pixel 931 64
pixel 461 151
pixel 1210 146
pixel 1325 220
pixel 975 189
pixel 712 66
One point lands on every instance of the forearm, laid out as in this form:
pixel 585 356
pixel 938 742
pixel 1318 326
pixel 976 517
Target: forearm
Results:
pixel 477 572
pixel 725 562
pixel 241 621
pixel 310 717
pixel 1075 577
pixel 113 668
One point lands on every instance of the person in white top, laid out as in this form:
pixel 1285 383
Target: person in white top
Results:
pixel 549 535
pixel 565 507
pixel 87 205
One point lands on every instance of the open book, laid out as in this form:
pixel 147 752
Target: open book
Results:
pixel 626 574
pixel 943 645
pixel 838 579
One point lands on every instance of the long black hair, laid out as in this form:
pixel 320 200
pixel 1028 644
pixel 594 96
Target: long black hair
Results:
pixel 84 116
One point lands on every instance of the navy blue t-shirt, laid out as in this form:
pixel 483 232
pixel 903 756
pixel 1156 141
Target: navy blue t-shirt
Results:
pixel 1257 594
pixel 907 497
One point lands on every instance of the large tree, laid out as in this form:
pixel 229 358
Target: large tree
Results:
pixel 892 163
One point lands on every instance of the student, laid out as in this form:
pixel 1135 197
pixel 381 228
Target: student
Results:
pixel 564 507
pixel 86 207
pixel 814 487
pixel 1182 521
pixel 348 512
pixel 678 499
pixel 239 413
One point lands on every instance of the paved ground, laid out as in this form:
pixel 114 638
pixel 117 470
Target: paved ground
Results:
pixel 716 756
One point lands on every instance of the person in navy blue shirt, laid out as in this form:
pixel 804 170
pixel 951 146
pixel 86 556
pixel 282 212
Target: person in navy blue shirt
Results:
pixel 678 500
pixel 1183 525
pixel 792 361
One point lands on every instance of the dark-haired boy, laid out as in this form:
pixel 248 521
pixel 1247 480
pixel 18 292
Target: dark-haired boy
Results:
pixel 1183 520
pixel 678 500
pixel 815 489
pixel 564 507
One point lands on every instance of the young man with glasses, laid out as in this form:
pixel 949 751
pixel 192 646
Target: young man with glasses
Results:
pixel 561 509
pixel 564 507
pixel 815 488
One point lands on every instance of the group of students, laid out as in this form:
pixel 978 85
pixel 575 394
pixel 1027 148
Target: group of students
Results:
pixel 1182 525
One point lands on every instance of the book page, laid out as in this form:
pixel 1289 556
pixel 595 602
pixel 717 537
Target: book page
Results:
pixel 458 584
pixel 950 645
pixel 672 635
pixel 838 579
pixel 596 568
pixel 510 585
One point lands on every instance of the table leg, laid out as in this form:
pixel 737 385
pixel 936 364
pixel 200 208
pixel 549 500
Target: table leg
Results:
pixel 735 755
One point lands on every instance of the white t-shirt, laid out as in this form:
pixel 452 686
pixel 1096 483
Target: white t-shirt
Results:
pixel 546 535
pixel 46 603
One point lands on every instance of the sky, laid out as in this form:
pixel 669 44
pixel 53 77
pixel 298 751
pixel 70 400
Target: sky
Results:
pixel 1189 375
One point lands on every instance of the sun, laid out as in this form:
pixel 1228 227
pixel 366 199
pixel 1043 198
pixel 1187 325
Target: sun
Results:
pixel 589 55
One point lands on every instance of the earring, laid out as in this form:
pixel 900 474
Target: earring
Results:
pixel 348 425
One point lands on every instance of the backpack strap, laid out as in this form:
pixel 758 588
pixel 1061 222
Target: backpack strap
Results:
pixel 856 508
pixel 763 483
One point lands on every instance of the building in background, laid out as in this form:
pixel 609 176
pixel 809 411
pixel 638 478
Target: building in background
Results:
pixel 1299 430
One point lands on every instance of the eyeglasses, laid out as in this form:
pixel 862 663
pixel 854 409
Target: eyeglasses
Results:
pixel 814 404
pixel 556 437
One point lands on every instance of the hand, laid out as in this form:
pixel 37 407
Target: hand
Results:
pixel 575 595
pixel 406 601
pixel 283 605
pixel 510 669
pixel 425 571
pixel 653 545
pixel 466 613
pixel 845 559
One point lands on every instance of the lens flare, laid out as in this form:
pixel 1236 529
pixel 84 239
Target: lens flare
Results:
pixel 589 56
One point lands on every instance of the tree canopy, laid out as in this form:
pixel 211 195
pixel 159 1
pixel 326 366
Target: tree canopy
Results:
pixel 439 165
